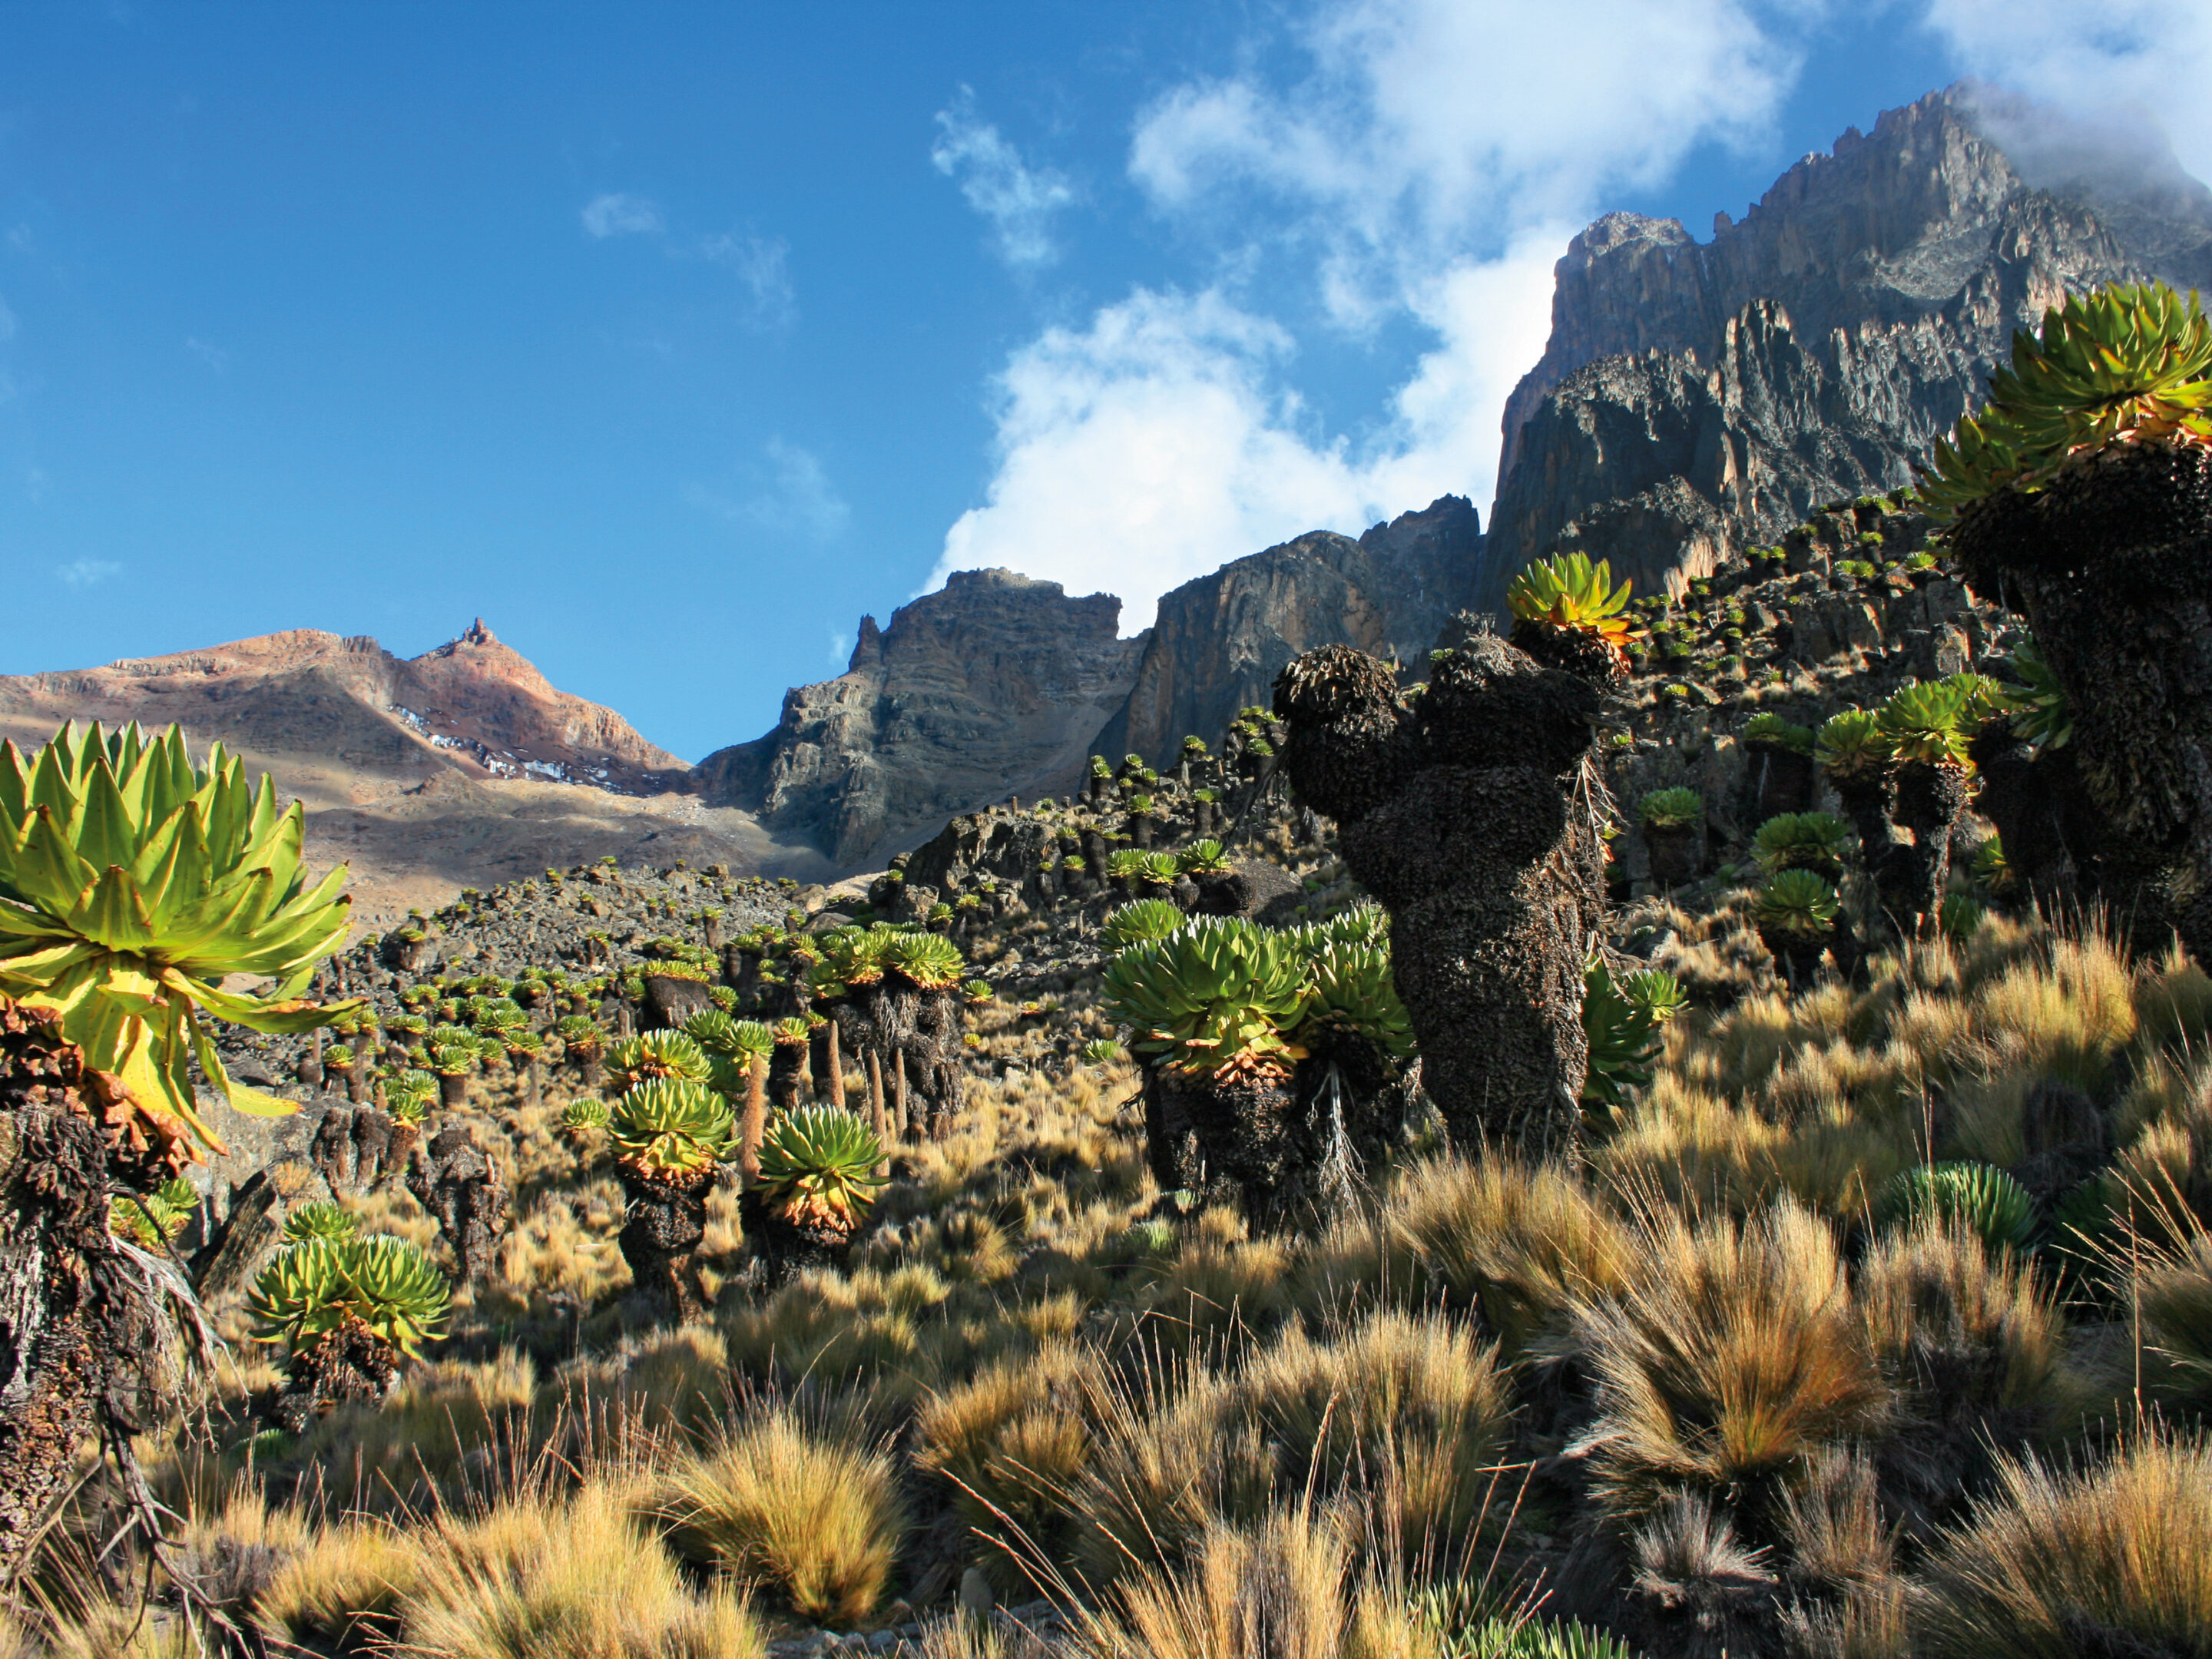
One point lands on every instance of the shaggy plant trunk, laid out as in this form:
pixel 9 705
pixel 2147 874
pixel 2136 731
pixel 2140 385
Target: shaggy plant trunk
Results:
pixel 785 1246
pixel 1931 799
pixel 2112 563
pixel 350 1363
pixel 2023 794
pixel 1798 953
pixel 76 1329
pixel 453 1090
pixel 460 1186
pixel 1473 818
pixel 664 1221
pixel 1781 782
pixel 785 1064
pixel 1225 1137
pixel 1678 852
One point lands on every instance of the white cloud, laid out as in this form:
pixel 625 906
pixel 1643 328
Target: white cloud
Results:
pixel 2128 61
pixel 797 498
pixel 841 648
pixel 618 215
pixel 1018 199
pixel 1162 440
pixel 1430 165
pixel 763 267
pixel 88 573
pixel 1429 129
pixel 213 356
pixel 1132 453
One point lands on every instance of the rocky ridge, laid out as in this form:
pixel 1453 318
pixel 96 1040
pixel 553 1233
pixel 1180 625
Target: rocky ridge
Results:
pixel 995 684
pixel 998 686
pixel 1695 397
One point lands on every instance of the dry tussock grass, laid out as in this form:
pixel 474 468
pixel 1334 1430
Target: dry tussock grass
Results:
pixel 2114 1559
pixel 1223 1434
pixel 804 1508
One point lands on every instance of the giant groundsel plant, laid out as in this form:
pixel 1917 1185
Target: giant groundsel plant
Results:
pixel 133 883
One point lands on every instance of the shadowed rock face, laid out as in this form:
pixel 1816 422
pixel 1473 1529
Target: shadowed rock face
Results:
pixel 996 685
pixel 1696 398
pixel 1465 816
pixel 1221 640
pixel 1000 685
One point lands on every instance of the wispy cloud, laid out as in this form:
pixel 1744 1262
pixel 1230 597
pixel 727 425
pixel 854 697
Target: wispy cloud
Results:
pixel 841 648
pixel 213 356
pixel 88 573
pixel 761 265
pixel 2128 64
pixel 796 497
pixel 618 215
pixel 7 322
pixel 1019 200
pixel 1167 435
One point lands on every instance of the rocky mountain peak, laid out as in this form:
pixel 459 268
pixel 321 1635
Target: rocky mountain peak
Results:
pixel 1695 397
pixel 993 686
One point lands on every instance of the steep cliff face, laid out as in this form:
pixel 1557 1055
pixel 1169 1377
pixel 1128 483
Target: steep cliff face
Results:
pixel 996 685
pixel 1695 397
pixel 1220 640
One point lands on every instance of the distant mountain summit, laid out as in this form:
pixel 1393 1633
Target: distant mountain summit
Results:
pixel 1696 398
pixel 463 766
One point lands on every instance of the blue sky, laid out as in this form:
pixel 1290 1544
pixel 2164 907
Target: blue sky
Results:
pixel 669 338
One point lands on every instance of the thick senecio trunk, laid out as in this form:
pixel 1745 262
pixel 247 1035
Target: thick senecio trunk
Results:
pixel 1229 1138
pixel 1781 780
pixel 460 1186
pixel 350 1363
pixel 1474 819
pixel 1931 799
pixel 895 1018
pixel 663 1222
pixel 76 1331
pixel 2112 565
pixel 785 1246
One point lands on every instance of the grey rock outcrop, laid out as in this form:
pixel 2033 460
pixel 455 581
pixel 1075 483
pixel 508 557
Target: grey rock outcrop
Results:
pixel 994 685
pixel 1221 639
pixel 1697 397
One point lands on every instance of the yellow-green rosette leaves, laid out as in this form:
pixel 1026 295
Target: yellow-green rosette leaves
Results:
pixel 133 883
pixel 671 1127
pixel 2123 365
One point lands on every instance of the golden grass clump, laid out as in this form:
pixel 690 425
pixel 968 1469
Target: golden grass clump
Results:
pixel 536 1579
pixel 1174 1456
pixel 1283 1587
pixel 1012 1442
pixel 1732 1357
pixel 2057 1564
pixel 2068 1014
pixel 806 1510
pixel 1967 1328
pixel 1518 1243
pixel 349 1582
pixel 1412 1410
pixel 2172 1288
